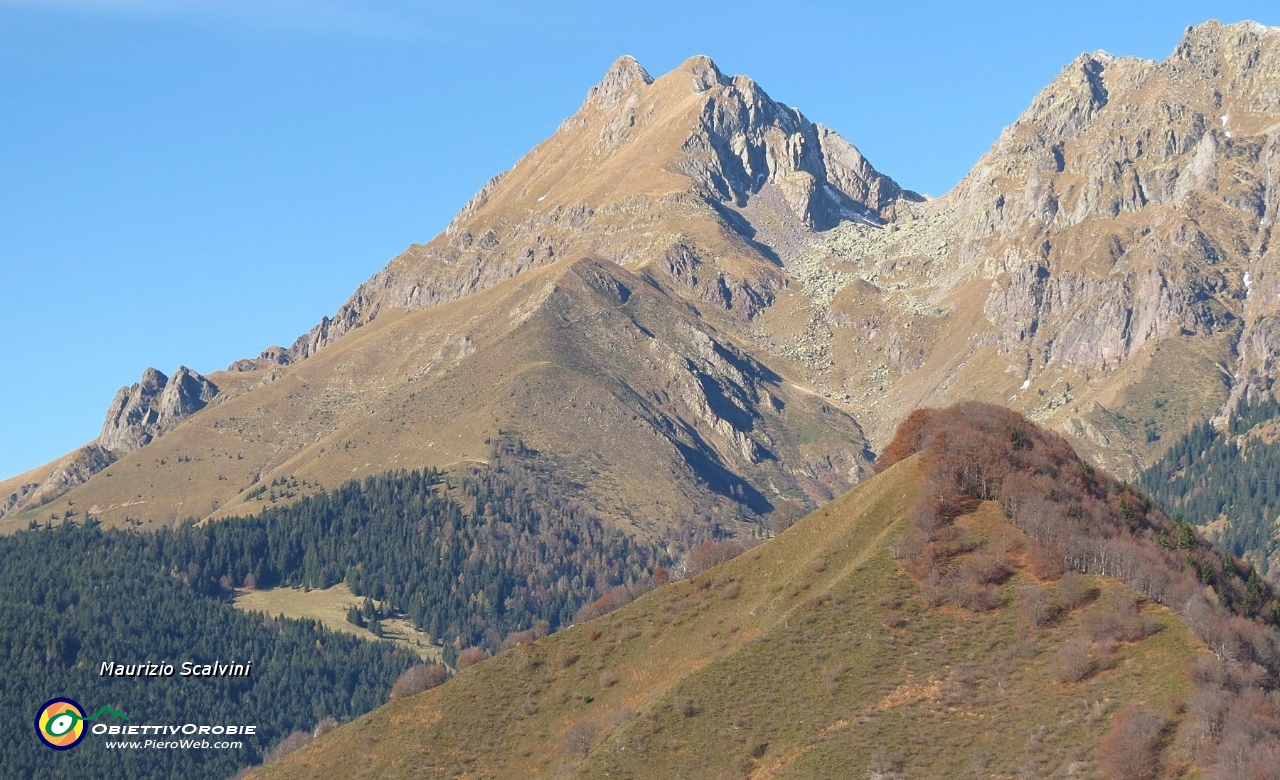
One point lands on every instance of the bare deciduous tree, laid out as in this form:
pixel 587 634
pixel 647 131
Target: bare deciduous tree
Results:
pixel 1075 661
pixel 580 737
pixel 1128 751
pixel 1037 605
pixel 470 657
pixel 1073 590
pixel 286 746
pixel 418 678
pixel 324 727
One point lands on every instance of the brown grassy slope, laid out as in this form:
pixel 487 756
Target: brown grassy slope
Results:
pixel 810 656
pixel 329 606
pixel 651 409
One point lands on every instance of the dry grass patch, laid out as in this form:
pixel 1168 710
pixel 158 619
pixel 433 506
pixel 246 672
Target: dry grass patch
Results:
pixel 329 608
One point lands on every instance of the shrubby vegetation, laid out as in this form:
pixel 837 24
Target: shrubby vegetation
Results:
pixel 417 679
pixel 1208 474
pixel 1077 519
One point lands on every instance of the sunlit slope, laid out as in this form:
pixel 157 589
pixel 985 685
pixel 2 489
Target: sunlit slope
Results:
pixel 810 656
pixel 652 415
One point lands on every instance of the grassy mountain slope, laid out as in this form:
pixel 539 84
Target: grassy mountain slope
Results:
pixel 813 655
pixel 652 414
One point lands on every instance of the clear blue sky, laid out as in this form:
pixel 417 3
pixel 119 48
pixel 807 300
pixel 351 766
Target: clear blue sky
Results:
pixel 190 181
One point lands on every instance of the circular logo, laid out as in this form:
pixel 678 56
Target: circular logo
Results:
pixel 60 723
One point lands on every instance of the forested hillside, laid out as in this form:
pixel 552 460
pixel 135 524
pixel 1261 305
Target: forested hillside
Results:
pixel 74 597
pixel 1232 474
pixel 469 559
pixel 474 560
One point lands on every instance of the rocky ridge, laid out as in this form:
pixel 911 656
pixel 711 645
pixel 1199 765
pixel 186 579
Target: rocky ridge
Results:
pixel 141 412
pixel 1110 256
pixel 71 471
pixel 138 414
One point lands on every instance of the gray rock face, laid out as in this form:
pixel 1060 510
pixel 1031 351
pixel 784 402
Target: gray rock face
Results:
pixel 747 141
pixel 624 77
pixel 148 408
pixel 73 471
pixel 1132 201
pixel 133 413
pixel 271 356
pixel 18 498
pixel 186 393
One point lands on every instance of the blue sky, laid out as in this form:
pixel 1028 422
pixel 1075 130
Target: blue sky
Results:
pixel 190 181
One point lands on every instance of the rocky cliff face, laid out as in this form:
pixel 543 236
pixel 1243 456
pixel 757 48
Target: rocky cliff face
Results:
pixel 1130 210
pixel 1131 200
pixel 146 409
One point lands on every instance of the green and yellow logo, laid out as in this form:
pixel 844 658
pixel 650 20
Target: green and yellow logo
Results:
pixel 60 722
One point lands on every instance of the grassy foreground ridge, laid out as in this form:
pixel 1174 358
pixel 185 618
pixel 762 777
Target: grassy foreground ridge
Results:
pixel 988 605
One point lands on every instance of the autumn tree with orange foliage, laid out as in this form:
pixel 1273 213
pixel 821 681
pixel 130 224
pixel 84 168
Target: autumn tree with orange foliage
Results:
pixel 712 553
pixel 907 440
pixel 419 678
pixel 1129 750
pixel 471 656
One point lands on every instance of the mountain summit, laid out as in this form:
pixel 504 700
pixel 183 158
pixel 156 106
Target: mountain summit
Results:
pixel 638 152
pixel 698 307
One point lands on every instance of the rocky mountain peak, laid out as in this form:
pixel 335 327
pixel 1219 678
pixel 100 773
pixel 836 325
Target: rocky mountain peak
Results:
pixel 693 135
pixel 186 393
pixel 1213 38
pixel 704 71
pixel 624 78
pixel 747 142
pixel 141 412
pixel 1228 57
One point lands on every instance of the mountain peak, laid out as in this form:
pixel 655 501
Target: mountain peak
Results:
pixel 624 77
pixel 634 139
pixel 704 71
pixel 1213 38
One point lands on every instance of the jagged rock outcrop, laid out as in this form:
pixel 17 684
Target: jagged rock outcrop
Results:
pixel 746 141
pixel 144 410
pixel 271 356
pixel 18 499
pixel 71 471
